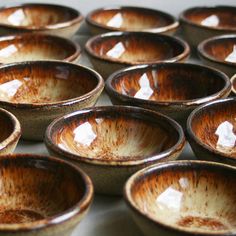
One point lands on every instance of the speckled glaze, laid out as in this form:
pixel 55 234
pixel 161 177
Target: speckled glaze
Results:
pixel 183 198
pixel 196 28
pixel 10 132
pixel 202 125
pixel 174 89
pixel 41 18
pixel 113 51
pixel 42 196
pixel 31 47
pixel 220 53
pixel 127 18
pixel 38 92
pixel 111 143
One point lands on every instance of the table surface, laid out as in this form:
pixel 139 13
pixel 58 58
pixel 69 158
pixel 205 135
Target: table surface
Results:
pixel 109 215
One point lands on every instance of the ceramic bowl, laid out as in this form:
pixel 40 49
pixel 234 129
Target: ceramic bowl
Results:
pixel 10 132
pixel 233 82
pixel 174 89
pixel 183 198
pixel 111 143
pixel 220 53
pixel 200 23
pixel 40 17
pixel 127 18
pixel 42 196
pixel 26 47
pixel 113 51
pixel 37 92
pixel 211 131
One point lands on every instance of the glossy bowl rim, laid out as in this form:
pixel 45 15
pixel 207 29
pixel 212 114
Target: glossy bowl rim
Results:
pixel 49 105
pixel 177 147
pixel 185 20
pixel 158 167
pixel 61 25
pixel 191 102
pixel 69 214
pixel 161 29
pixel 192 135
pixel 183 55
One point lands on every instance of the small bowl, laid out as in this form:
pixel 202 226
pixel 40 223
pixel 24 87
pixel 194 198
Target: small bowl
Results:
pixel 134 19
pixel 113 51
pixel 174 89
pixel 42 195
pixel 183 198
pixel 41 18
pixel 10 132
pixel 210 132
pixel 200 23
pixel 220 53
pixel 27 47
pixel 111 143
pixel 37 92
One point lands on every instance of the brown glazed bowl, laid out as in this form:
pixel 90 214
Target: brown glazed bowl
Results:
pixel 200 23
pixel 10 132
pixel 127 18
pixel 220 53
pixel 40 18
pixel 117 50
pixel 29 47
pixel 210 137
pixel 37 92
pixel 174 89
pixel 184 198
pixel 111 143
pixel 42 196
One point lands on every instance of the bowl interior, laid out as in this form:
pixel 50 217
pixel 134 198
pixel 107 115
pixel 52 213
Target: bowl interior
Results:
pixel 168 82
pixel 44 82
pixel 222 49
pixel 36 15
pixel 215 126
pixel 131 18
pixel 115 134
pixel 216 17
pixel 137 48
pixel 34 189
pixel 34 47
pixel 198 199
pixel 7 126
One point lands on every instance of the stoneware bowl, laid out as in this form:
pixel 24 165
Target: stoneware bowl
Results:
pixel 211 131
pixel 39 91
pixel 220 53
pixel 183 198
pixel 233 82
pixel 127 18
pixel 42 196
pixel 10 132
pixel 111 143
pixel 41 18
pixel 200 23
pixel 174 89
pixel 113 51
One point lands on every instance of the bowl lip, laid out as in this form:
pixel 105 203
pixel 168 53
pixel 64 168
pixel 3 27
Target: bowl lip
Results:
pixel 202 52
pixel 158 167
pixel 177 147
pixel 61 25
pixel 58 104
pixel 191 102
pixel 71 213
pixel 191 134
pixel 161 29
pixel 184 19
pixel 53 38
pixel 88 48
pixel 15 134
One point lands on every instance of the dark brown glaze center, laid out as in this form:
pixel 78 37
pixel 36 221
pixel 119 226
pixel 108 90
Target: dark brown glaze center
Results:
pixel 6 126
